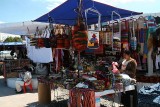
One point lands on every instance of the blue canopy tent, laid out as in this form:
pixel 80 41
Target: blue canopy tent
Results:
pixel 66 13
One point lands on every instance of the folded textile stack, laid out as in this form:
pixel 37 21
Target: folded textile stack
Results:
pixel 149 96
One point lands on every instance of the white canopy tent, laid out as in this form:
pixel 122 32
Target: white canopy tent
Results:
pixel 22 28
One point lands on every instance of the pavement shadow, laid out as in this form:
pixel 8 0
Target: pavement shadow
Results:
pixel 4 90
pixel 52 104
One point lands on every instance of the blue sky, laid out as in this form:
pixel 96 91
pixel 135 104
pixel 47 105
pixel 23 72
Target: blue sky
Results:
pixel 26 10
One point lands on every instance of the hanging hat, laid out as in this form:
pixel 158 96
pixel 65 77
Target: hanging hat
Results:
pixel 93 35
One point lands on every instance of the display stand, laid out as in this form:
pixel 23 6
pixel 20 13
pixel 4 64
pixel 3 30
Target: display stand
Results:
pixel 9 65
pixel 111 91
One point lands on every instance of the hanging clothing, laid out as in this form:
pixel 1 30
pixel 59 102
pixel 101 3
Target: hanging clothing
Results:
pixel 108 38
pixel 141 35
pixel 46 33
pixel 151 23
pixel 142 48
pixel 59 58
pixel 141 22
pixel 41 55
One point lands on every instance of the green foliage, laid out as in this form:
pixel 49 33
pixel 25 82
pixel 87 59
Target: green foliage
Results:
pixel 13 39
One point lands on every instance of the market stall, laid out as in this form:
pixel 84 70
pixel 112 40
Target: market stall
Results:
pixel 73 37
pixel 73 56
pixel 13 58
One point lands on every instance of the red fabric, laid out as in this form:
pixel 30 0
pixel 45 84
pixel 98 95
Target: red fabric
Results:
pixel 24 87
pixel 99 50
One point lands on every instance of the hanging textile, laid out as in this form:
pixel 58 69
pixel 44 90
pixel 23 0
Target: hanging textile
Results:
pixel 102 37
pixel 150 43
pixel 141 35
pixel 116 36
pixel 89 51
pixel 81 98
pixel 133 42
pixel 99 50
pixel 108 38
pixel 151 23
pixel 93 39
pixel 124 34
pixel 157 20
pixel 93 36
pixel 38 54
pixel 60 40
pixel 141 22
pixel 59 58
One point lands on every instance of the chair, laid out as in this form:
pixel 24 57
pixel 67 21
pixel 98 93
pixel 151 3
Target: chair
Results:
pixel 25 85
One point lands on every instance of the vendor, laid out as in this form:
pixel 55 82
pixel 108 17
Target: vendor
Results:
pixel 24 77
pixel 129 64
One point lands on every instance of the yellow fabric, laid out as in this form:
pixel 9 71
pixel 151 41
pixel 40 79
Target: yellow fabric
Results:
pixel 90 44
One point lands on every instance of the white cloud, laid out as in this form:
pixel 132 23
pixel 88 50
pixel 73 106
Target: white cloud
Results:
pixel 117 2
pixel 51 4
pixel 2 22
pixel 54 3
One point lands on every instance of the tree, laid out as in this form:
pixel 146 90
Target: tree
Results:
pixel 13 39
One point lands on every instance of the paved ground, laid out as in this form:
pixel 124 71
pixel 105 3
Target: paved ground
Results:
pixel 8 98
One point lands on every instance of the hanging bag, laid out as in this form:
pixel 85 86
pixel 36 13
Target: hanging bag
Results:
pixel 116 36
pixel 108 34
pixel 53 40
pixel 124 34
pixel 66 37
pixel 46 38
pixel 93 36
pixel 60 40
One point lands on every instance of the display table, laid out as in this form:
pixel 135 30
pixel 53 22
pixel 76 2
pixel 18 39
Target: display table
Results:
pixel 111 91
pixel 10 65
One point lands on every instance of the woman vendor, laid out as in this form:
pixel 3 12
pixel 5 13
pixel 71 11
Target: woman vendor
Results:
pixel 129 65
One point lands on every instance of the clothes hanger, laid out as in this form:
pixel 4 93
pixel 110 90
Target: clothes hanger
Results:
pixel 94 10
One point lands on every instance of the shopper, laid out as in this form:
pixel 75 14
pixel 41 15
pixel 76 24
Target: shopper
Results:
pixel 23 77
pixel 129 64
